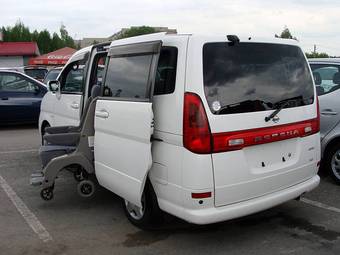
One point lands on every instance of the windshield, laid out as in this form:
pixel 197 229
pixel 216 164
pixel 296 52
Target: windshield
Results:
pixel 52 75
pixel 36 73
pixel 249 77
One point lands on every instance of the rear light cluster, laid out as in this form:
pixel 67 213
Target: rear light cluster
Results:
pixel 198 138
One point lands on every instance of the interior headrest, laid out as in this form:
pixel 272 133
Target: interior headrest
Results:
pixel 317 78
pixel 336 78
pixel 95 91
pixel 320 90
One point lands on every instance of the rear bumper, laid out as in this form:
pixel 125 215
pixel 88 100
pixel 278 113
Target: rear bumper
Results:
pixel 228 212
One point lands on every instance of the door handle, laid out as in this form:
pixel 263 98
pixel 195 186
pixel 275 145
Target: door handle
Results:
pixel 102 114
pixel 75 106
pixel 328 112
pixel 4 98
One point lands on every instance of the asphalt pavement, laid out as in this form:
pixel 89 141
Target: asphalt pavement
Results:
pixel 70 224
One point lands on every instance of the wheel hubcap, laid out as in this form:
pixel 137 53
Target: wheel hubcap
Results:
pixel 335 164
pixel 135 211
pixel 86 189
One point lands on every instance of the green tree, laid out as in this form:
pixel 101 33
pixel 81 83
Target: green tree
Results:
pixel 317 55
pixel 18 33
pixel 286 34
pixel 68 40
pixel 134 31
pixel 46 43
pixel 57 42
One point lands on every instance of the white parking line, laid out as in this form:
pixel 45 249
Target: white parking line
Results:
pixel 19 151
pixel 26 213
pixel 320 205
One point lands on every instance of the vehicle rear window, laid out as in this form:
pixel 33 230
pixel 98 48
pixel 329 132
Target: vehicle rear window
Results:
pixel 36 73
pixel 250 77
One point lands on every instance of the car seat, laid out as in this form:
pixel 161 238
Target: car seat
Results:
pixel 73 129
pixel 336 80
pixel 69 149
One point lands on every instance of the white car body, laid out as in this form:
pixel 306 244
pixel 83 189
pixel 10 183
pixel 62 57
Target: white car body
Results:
pixel 58 109
pixel 199 188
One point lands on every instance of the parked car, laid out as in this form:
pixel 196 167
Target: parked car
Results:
pixel 36 72
pixel 20 98
pixel 233 125
pixel 52 74
pixel 326 74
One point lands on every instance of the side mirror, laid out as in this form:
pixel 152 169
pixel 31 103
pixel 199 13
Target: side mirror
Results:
pixel 53 85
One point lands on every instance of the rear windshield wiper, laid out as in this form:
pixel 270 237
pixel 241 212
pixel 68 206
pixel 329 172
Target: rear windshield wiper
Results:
pixel 280 105
pixel 231 107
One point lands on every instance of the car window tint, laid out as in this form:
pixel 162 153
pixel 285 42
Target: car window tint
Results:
pixel 251 77
pixel 73 81
pixel 52 75
pixel 16 83
pixel 166 71
pixel 128 77
pixel 326 78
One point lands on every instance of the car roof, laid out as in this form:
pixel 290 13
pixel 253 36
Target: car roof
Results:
pixel 35 67
pixel 163 36
pixel 324 60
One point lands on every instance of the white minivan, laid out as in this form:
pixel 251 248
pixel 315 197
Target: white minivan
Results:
pixel 206 128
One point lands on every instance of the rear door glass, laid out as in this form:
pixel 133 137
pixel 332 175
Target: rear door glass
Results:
pixel 250 77
pixel 127 77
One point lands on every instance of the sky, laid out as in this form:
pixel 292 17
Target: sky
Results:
pixel 311 21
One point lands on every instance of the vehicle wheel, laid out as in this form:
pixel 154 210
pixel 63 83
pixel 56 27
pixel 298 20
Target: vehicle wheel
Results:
pixel 86 188
pixel 46 193
pixel 332 162
pixel 43 133
pixel 150 215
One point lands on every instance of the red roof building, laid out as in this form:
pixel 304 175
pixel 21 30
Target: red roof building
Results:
pixel 15 54
pixel 58 57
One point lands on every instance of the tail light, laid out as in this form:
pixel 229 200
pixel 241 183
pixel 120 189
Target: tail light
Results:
pixel 196 130
pixel 318 115
pixel 198 138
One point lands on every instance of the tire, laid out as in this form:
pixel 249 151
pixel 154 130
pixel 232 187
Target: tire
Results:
pixel 43 133
pixel 150 216
pixel 332 162
pixel 86 188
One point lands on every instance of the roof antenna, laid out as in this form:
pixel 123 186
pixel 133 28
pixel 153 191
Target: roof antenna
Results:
pixel 233 39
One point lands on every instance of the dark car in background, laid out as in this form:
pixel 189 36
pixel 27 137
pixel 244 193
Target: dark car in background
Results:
pixel 326 72
pixel 36 72
pixel 20 98
pixel 52 74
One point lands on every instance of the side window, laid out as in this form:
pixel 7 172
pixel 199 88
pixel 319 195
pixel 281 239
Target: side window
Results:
pixel 166 71
pixel 72 78
pixel 97 70
pixel 15 83
pixel 326 78
pixel 128 77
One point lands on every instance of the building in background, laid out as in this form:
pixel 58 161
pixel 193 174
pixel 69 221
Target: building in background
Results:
pixel 87 41
pixel 14 54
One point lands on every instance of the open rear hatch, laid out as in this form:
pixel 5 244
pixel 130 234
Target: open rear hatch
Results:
pixel 253 155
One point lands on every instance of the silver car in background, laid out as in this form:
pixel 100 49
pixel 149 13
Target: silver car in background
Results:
pixel 326 72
